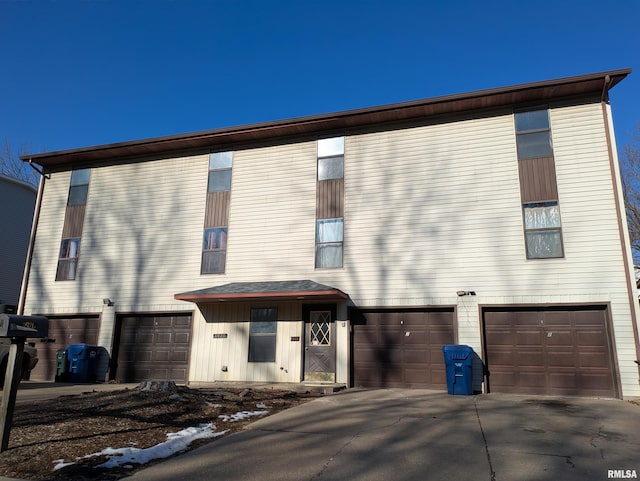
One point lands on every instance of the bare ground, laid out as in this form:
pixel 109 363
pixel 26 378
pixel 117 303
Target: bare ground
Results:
pixel 70 427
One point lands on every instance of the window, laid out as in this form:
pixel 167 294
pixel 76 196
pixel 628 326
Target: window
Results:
pixel 329 239
pixel 542 230
pixel 68 259
pixel 79 187
pixel 220 164
pixel 214 250
pixel 533 134
pixel 331 158
pixel 262 335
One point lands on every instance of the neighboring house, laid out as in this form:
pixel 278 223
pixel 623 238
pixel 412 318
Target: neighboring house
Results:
pixel 17 201
pixel 350 247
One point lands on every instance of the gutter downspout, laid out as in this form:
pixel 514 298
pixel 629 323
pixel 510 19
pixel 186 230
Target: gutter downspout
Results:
pixel 32 240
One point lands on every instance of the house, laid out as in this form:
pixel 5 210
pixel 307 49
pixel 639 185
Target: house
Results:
pixel 350 247
pixel 17 201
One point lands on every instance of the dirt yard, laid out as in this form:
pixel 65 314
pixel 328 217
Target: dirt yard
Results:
pixel 70 427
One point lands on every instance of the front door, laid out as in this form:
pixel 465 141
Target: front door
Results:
pixel 320 343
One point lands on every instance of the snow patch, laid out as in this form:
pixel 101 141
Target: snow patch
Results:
pixel 239 416
pixel 126 457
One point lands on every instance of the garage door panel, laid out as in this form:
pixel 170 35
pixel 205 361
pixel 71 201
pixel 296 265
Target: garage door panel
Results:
pixel 563 380
pixel 436 357
pixel 163 338
pixel 438 377
pixel 597 381
pixel 161 322
pixel 162 355
pixel 500 338
pixel 439 337
pixel 560 359
pixel 392 357
pixel 557 319
pixel 180 356
pixel 419 338
pixel 141 355
pixel 588 318
pixel 531 379
pixel 560 338
pixel 413 320
pixel 569 355
pixel 528 337
pixel 591 338
pixel 443 319
pixel 365 355
pixel 401 349
pixel 593 359
pixel 419 356
pixel 527 358
pixel 501 377
pixel 415 378
pixel 182 338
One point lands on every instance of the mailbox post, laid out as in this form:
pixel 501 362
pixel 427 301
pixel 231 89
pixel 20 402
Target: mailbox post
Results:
pixel 18 329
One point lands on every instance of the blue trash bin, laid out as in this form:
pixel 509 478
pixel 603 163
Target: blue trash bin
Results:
pixel 82 361
pixel 458 360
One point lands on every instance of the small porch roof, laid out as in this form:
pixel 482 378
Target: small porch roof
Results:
pixel 261 291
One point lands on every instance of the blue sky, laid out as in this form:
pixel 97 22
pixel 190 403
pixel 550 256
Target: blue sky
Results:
pixel 81 73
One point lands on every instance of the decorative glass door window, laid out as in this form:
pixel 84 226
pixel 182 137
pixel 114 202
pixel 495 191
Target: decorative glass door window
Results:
pixel 320 328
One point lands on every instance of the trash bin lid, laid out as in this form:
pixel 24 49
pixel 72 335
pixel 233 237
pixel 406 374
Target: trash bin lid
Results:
pixel 457 352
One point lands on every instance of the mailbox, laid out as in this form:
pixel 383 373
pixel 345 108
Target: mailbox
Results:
pixel 12 325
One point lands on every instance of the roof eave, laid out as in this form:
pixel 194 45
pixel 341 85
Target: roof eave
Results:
pixel 544 91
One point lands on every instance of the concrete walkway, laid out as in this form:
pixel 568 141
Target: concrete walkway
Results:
pixel 411 435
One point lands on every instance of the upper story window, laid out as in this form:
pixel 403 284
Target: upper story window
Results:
pixel 542 229
pixel 220 164
pixel 68 259
pixel 79 187
pixel 329 240
pixel 331 158
pixel 533 134
pixel 214 250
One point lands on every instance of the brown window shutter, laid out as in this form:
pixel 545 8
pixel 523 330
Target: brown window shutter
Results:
pixel 217 209
pixel 538 180
pixel 330 199
pixel 73 221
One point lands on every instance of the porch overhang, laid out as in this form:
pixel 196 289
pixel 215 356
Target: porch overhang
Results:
pixel 262 291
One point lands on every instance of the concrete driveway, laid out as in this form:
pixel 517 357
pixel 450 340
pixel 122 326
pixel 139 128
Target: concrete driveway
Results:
pixel 411 435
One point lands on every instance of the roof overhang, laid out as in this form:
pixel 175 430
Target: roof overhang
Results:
pixel 264 291
pixel 597 84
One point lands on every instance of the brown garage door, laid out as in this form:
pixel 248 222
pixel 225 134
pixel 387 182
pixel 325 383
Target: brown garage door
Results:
pixel 153 347
pixel 62 332
pixel 401 348
pixel 551 351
